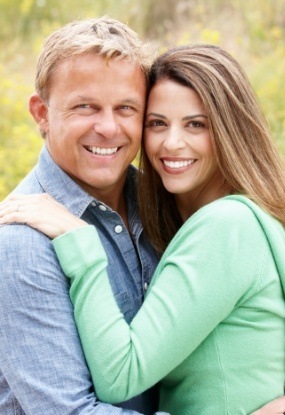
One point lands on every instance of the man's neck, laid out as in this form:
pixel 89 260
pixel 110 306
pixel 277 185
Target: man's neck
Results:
pixel 118 205
pixel 116 201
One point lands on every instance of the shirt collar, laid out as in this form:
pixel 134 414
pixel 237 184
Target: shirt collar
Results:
pixel 66 191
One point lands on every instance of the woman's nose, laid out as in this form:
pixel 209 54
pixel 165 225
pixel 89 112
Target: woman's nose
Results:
pixel 174 139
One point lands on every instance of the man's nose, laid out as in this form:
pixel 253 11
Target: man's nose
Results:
pixel 106 124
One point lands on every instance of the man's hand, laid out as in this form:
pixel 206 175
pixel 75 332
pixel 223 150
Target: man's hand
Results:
pixel 275 407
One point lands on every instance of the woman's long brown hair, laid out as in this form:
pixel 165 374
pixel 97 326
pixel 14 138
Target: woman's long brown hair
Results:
pixel 243 145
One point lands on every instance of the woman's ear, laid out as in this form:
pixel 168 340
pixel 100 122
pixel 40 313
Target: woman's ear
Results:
pixel 39 111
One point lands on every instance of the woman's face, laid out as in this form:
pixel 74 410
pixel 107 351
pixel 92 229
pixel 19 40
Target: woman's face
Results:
pixel 178 143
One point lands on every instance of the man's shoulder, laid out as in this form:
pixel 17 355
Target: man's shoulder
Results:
pixel 20 238
pixel 24 249
pixel 27 257
pixel 29 184
pixel 48 177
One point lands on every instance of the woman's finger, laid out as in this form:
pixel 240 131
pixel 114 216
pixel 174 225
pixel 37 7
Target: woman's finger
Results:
pixel 9 207
pixel 41 212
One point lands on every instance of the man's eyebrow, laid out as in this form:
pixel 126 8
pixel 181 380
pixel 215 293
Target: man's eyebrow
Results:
pixel 84 97
pixel 129 101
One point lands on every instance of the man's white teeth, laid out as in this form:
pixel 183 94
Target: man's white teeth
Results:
pixel 178 164
pixel 103 151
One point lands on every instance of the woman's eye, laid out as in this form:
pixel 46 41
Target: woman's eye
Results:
pixel 196 124
pixel 155 123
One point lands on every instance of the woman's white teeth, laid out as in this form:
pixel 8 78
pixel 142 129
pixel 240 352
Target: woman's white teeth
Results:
pixel 178 164
pixel 103 151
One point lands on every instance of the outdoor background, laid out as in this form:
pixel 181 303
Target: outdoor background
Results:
pixel 252 30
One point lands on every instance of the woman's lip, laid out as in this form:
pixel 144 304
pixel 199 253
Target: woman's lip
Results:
pixel 177 163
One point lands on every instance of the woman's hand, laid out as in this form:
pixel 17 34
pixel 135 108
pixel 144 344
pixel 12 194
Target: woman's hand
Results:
pixel 40 211
pixel 275 407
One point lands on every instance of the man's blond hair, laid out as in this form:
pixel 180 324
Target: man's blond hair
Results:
pixel 104 36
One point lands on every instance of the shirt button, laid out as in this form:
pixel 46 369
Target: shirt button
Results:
pixel 93 204
pixel 145 286
pixel 103 208
pixel 118 229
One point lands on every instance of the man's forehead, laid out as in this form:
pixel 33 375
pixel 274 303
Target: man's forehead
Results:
pixel 94 73
pixel 106 62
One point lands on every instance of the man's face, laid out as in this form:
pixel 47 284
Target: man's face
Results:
pixel 94 119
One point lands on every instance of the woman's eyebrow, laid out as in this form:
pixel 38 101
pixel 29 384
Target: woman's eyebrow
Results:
pixel 190 117
pixel 155 114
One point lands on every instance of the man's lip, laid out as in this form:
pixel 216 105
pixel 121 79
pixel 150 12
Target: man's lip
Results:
pixel 102 151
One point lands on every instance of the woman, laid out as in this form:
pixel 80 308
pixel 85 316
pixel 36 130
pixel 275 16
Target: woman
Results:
pixel 212 326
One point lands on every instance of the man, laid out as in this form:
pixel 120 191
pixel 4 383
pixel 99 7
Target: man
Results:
pixel 89 105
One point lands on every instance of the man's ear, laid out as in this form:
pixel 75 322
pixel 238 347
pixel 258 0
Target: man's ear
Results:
pixel 39 111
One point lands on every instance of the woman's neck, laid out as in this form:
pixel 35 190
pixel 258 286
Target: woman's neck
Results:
pixel 189 203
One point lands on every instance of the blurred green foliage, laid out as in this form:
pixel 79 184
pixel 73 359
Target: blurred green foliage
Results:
pixel 253 31
pixel 19 141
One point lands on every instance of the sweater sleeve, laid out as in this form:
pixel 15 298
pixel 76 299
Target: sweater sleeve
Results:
pixel 205 273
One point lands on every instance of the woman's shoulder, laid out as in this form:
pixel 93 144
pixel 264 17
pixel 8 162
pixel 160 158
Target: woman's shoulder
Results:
pixel 233 210
pixel 223 227
pixel 229 218
pixel 233 217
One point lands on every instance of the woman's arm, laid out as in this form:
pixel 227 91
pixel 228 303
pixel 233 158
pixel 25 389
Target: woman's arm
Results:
pixel 205 271
pixel 48 216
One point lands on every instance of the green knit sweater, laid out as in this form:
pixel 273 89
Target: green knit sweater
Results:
pixel 212 327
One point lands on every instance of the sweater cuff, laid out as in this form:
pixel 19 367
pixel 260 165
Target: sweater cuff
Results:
pixel 75 250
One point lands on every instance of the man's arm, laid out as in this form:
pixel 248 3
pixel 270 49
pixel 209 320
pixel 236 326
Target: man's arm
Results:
pixel 41 355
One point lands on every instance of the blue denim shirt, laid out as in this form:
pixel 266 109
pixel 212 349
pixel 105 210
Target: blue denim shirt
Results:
pixel 42 366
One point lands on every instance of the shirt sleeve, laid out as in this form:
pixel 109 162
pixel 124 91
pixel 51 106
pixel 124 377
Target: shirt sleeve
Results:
pixel 41 355
pixel 211 263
